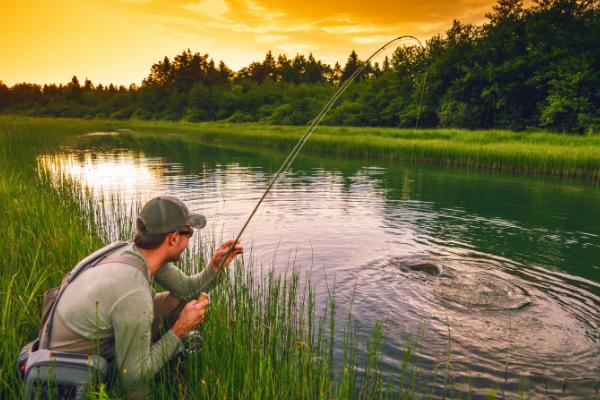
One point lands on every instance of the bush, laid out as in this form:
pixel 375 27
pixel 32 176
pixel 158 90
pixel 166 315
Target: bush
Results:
pixel 240 116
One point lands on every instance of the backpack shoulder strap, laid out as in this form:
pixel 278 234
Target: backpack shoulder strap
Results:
pixel 94 258
pixel 129 260
pixel 90 260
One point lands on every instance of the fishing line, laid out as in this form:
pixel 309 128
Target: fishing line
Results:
pixel 313 125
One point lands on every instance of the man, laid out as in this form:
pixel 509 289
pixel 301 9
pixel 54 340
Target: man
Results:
pixel 112 308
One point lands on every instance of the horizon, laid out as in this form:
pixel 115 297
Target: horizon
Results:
pixel 238 32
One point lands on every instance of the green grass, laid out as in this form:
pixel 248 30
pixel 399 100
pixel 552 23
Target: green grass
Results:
pixel 263 336
pixel 43 232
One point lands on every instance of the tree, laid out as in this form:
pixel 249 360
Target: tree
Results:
pixel 74 89
pixel 299 68
pixel 336 73
pixel 285 70
pixel 224 74
pixel 159 74
pixel 352 64
pixel 385 66
pixel 315 71
pixel 88 86
pixel 4 95
pixel 269 66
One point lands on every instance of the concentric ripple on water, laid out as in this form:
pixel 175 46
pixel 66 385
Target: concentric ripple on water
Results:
pixel 481 292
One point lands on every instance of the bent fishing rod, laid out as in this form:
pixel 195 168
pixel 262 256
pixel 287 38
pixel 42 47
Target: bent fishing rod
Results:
pixel 304 138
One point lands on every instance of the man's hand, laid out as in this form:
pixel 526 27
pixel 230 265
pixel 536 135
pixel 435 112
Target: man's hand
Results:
pixel 219 254
pixel 190 317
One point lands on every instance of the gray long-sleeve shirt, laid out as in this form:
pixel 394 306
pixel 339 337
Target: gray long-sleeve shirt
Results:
pixel 114 301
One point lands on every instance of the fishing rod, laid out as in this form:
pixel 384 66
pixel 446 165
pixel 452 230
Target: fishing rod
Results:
pixel 304 138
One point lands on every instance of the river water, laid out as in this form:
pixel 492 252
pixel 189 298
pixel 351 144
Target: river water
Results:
pixel 516 307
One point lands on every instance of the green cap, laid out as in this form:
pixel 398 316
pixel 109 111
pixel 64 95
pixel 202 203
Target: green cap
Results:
pixel 165 214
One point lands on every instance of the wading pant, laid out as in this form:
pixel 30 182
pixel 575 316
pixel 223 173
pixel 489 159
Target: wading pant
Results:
pixel 167 307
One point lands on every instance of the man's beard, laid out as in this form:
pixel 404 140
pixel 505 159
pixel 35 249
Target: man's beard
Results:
pixel 176 257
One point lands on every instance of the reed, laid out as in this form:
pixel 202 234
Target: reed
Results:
pixel 42 234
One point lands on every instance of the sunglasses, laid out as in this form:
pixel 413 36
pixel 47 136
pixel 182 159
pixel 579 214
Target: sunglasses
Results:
pixel 189 232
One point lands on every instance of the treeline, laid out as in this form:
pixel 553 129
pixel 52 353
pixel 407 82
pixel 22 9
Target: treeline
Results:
pixel 523 68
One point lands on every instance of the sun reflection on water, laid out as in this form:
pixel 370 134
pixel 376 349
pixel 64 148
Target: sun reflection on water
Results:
pixel 118 172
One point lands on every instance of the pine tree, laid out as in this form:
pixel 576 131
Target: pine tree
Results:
pixel 352 64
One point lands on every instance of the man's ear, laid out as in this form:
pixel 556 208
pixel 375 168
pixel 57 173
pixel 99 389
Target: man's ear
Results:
pixel 171 238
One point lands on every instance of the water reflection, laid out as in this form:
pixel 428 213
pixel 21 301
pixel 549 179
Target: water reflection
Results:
pixel 122 172
pixel 519 295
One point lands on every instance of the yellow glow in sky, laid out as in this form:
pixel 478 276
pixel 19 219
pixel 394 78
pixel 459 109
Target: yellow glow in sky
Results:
pixel 116 41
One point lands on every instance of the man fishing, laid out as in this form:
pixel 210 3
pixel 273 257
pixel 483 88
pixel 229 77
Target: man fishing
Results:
pixel 112 309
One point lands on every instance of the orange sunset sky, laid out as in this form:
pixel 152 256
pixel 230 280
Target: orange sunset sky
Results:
pixel 116 41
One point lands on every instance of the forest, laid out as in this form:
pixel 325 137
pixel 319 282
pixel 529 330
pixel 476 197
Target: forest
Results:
pixel 535 67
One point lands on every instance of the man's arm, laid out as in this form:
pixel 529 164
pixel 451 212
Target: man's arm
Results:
pixel 186 287
pixel 137 358
pixel 189 287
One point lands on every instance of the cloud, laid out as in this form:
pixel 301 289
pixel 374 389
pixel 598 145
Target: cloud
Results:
pixel 370 39
pixel 330 30
pixel 349 29
pixel 388 12
pixel 212 8
pixel 270 38
pixel 135 1
pixel 291 48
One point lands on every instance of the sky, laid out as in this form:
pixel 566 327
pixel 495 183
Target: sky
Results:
pixel 117 41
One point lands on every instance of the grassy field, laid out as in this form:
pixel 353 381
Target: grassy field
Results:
pixel 43 232
pixel 262 338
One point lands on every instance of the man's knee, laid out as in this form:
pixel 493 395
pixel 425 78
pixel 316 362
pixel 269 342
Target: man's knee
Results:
pixel 167 307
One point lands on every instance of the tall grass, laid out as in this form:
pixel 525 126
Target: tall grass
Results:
pixel 42 234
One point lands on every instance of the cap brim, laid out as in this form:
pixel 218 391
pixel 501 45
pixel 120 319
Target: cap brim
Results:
pixel 197 221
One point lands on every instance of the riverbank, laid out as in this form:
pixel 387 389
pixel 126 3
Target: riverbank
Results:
pixel 537 153
pixel 534 153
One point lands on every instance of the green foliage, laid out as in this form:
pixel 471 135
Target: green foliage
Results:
pixel 240 116
pixel 43 233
